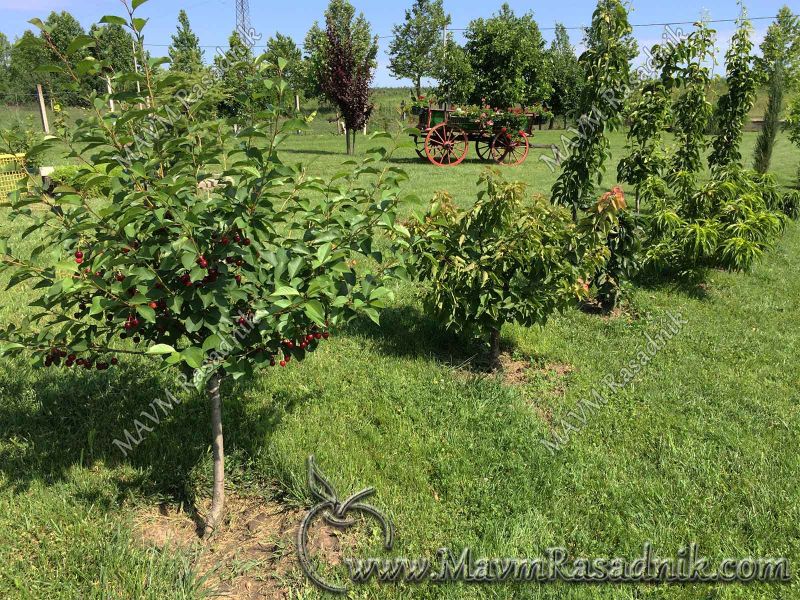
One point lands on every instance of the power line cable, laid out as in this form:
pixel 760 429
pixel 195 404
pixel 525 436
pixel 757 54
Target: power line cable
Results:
pixel 572 28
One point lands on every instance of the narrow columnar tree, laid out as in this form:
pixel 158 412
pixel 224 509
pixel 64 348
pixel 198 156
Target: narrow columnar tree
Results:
pixel 779 65
pixel 606 64
pixel 316 49
pixel 567 76
pixel 649 116
pixel 185 53
pixel 735 105
pixel 686 72
pixel 417 42
pixel 346 81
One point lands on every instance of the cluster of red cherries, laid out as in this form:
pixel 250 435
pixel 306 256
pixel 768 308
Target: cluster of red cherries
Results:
pixel 304 342
pixel 56 356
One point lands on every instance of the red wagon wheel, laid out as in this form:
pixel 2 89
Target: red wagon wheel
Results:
pixel 446 145
pixel 510 148
pixel 484 149
pixel 419 147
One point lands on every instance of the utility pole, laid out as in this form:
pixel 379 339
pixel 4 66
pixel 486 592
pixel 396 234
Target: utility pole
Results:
pixel 243 22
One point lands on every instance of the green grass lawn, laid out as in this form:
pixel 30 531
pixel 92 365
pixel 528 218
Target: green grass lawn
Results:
pixel 701 447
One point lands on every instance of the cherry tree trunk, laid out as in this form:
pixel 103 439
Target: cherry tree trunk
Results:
pixel 494 348
pixel 218 450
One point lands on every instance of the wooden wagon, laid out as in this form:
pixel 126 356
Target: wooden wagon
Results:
pixel 446 135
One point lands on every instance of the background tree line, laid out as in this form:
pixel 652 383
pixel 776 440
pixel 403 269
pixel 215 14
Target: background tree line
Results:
pixel 504 61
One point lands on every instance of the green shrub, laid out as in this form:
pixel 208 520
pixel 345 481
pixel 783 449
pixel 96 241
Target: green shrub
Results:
pixel 623 241
pixel 729 222
pixel 507 259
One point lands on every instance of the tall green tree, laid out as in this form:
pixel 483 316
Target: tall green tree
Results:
pixel 27 53
pixel 453 71
pixel 63 28
pixel 283 46
pixel 507 55
pixel 185 53
pixel 686 76
pixel 114 46
pixel 567 77
pixel 5 68
pixel 238 80
pixel 417 42
pixel 734 106
pixel 780 66
pixel 606 64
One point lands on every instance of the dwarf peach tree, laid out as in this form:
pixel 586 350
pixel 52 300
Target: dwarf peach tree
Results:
pixel 508 259
pixel 197 245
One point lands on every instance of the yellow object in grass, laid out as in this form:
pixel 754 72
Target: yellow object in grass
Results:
pixel 11 173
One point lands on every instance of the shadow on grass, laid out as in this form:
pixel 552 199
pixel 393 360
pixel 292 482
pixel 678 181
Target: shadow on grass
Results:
pixel 691 284
pixel 408 332
pixel 403 160
pixel 56 420
pixel 315 151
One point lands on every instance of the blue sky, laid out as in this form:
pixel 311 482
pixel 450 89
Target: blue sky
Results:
pixel 213 20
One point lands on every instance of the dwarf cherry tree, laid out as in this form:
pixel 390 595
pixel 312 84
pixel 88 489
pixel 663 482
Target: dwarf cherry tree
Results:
pixel 184 240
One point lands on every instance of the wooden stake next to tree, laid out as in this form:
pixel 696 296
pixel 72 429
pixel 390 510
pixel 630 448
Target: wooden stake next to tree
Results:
pixel 42 109
pixel 297 108
pixel 110 99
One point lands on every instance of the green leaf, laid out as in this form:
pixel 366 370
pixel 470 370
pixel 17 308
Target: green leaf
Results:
pixel 38 23
pixel 161 349
pixel 113 20
pixel 315 311
pixel 193 357
pixel 147 313
pixel 212 343
pixel 188 260
pixel 137 3
pixel 323 252
pixel 139 23
pixel 80 42
pixel 285 290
